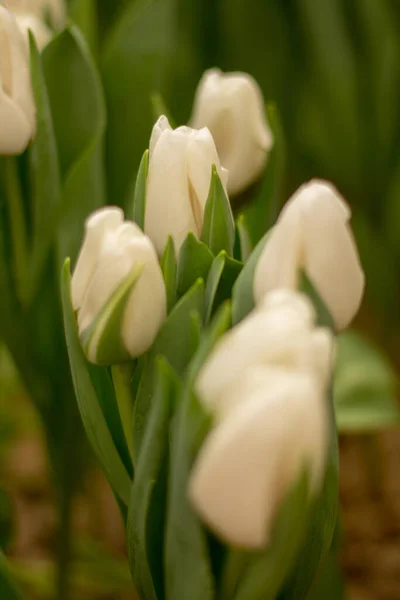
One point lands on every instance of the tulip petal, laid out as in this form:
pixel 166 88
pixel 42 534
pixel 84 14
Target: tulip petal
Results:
pixel 168 208
pixel 250 458
pixel 101 222
pixel 16 130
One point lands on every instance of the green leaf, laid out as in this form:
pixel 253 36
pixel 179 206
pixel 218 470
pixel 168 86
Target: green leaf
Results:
pixel 246 245
pixel 168 267
pixel 324 317
pixel 242 295
pixel 223 274
pixel 134 62
pixel 175 342
pixel 366 386
pixel 102 340
pixel 91 413
pixel 84 14
pixel 218 231
pixel 320 528
pixel 263 211
pixel 194 261
pixel 160 109
pixel 136 209
pixel 145 530
pixel 188 572
pixel 263 573
pixel 8 587
pixel 45 178
pixel 79 119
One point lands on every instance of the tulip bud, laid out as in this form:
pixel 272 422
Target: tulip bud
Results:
pixel 17 107
pixel 313 235
pixel 265 385
pixel 117 289
pixel 178 182
pixel 231 105
pixel 54 9
pixel 42 33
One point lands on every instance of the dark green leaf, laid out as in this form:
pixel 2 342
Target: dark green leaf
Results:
pixel 84 14
pixel 194 261
pixel 78 111
pixel 168 267
pixel 137 208
pixel 188 572
pixel 91 413
pixel 145 530
pixel 175 341
pixel 263 573
pixel 8 587
pixel 263 211
pixel 218 231
pixel 223 274
pixel 242 295
pixel 133 67
pixel 45 178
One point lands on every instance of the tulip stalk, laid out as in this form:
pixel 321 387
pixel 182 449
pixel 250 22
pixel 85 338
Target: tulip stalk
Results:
pixel 17 222
pixel 122 376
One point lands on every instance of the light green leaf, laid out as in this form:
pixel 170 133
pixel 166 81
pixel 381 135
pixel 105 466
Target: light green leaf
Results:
pixel 145 529
pixel 218 231
pixel 84 14
pixel 188 571
pixel 91 413
pixel 366 386
pixel 175 341
pixel 45 179
pixel 194 261
pixel 222 276
pixel 262 212
pixel 136 209
pixel 242 295
pixel 102 340
pixel 168 267
pixel 245 243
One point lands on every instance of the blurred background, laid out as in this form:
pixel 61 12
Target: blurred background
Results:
pixel 332 68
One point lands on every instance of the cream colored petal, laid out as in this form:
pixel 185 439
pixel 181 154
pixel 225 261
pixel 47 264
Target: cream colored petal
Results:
pixel 98 226
pixel 15 130
pixel 331 257
pixel 38 8
pixel 168 207
pixel 201 155
pixel 290 299
pixel 250 459
pixel 147 306
pixel 279 263
pixel 41 32
pixel 263 338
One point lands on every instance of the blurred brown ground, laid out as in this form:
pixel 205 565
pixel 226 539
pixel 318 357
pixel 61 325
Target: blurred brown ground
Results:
pixel 370 500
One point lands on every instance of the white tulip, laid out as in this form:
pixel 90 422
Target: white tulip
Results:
pixel 112 250
pixel 55 9
pixel 17 107
pixel 178 182
pixel 231 105
pixel 42 34
pixel 313 235
pixel 265 385
pixel 252 458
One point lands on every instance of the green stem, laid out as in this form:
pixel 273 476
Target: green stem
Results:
pixel 17 221
pixel 121 375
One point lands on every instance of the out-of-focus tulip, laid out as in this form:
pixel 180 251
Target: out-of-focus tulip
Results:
pixel 28 22
pixel 178 183
pixel 54 9
pixel 313 235
pixel 115 252
pixel 17 107
pixel 231 105
pixel 265 384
